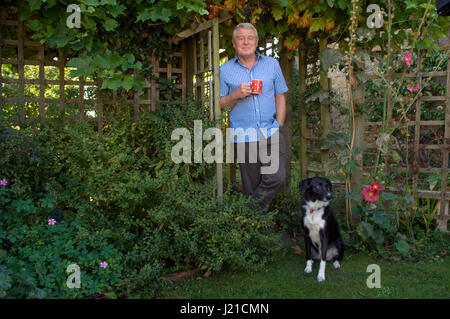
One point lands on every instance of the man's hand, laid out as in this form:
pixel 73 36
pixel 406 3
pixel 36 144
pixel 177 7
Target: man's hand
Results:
pixel 243 90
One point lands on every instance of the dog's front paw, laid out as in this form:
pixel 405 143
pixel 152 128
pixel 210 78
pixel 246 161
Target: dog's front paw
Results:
pixel 320 277
pixel 336 264
pixel 308 268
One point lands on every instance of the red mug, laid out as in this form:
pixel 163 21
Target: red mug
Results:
pixel 257 86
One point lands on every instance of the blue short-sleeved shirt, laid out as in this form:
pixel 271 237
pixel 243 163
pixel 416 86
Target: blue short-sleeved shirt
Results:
pixel 253 113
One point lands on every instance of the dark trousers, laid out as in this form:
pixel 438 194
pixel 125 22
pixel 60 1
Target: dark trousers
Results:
pixel 261 178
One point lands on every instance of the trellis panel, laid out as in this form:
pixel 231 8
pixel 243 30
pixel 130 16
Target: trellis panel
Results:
pixel 147 99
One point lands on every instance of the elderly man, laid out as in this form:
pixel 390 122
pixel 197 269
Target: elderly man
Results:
pixel 261 116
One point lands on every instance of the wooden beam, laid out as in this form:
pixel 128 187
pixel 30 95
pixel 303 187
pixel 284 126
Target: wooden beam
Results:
pixel 324 107
pixel 201 27
pixel 217 109
pixel 444 205
pixel 301 90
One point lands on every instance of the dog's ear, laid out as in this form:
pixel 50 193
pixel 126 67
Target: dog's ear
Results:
pixel 328 182
pixel 304 184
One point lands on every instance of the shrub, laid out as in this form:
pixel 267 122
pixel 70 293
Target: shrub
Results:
pixel 121 200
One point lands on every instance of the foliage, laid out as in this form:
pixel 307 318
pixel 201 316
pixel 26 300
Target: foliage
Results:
pixel 116 38
pixel 121 200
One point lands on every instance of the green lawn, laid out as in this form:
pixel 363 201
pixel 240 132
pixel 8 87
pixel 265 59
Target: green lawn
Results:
pixel 286 279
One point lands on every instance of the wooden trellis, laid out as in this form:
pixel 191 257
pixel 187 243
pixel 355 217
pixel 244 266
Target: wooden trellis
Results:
pixel 193 73
pixel 20 53
pixel 414 165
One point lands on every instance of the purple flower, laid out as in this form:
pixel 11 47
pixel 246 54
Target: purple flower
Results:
pixel 3 182
pixel 104 264
pixel 51 221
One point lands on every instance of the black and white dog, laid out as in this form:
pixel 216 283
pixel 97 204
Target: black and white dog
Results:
pixel 322 238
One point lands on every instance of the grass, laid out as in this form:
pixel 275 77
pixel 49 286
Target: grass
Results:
pixel 285 279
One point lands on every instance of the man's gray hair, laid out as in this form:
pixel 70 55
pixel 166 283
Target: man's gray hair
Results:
pixel 245 25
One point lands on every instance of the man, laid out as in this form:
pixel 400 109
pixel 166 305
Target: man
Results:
pixel 261 116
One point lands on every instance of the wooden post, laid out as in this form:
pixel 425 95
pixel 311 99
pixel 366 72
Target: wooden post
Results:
pixel 20 44
pixel 100 109
pixel 324 107
pixel 286 68
pixel 62 94
pixel 1 78
pixel 415 168
pixel 190 43
pixel 301 90
pixel 42 85
pixel 442 219
pixel 217 109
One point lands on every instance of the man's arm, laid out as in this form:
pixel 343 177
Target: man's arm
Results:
pixel 280 104
pixel 242 91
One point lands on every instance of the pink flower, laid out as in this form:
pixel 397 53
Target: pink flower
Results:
pixel 407 59
pixel 104 264
pixel 376 186
pixel 412 89
pixel 370 194
pixel 51 221
pixel 3 182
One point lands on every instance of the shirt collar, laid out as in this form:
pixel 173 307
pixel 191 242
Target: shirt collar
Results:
pixel 258 56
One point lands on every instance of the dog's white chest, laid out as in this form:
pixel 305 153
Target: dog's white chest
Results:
pixel 314 223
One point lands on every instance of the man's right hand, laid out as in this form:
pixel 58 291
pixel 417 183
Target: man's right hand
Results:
pixel 243 90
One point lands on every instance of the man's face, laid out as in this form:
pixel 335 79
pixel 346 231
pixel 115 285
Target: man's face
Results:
pixel 245 42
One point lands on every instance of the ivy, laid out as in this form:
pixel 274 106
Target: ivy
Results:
pixel 111 30
pixel 117 37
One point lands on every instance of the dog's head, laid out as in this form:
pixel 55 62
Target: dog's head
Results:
pixel 316 189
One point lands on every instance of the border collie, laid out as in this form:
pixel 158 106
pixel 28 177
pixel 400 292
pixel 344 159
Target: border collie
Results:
pixel 322 238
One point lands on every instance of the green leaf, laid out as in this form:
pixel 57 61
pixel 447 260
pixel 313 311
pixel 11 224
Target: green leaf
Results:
pixel 368 228
pixel 321 7
pixel 113 83
pixel 23 206
pixel 195 6
pixel 389 196
pixel 402 247
pixel 60 38
pixel 343 4
pixel 378 237
pixel 283 3
pixel 354 196
pixel 330 3
pixel 83 65
pixel 116 10
pixel 48 202
pixel 93 3
pixel 381 219
pixel 35 25
pixel 351 166
pixel 410 5
pixel 317 24
pixel 35 4
pixel 110 2
pixel 127 82
pixel 143 16
pixel 110 24
pixel 277 13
